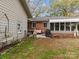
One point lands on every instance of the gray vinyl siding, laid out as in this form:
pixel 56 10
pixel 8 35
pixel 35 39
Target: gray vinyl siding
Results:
pixel 16 14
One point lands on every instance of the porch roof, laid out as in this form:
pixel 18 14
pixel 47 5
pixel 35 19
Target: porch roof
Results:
pixel 64 19
pixel 56 19
pixel 39 19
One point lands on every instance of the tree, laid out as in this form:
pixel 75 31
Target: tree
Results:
pixel 65 7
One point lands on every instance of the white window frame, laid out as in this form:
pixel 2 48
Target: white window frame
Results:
pixel 64 27
pixel 44 24
pixel 33 24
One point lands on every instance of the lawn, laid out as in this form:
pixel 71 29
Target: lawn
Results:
pixel 44 49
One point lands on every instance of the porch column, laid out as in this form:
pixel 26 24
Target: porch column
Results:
pixel 54 26
pixel 65 26
pixel 48 25
pixel 70 26
pixel 76 25
pixel 59 26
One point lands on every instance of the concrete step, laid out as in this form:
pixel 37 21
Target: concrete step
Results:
pixel 40 36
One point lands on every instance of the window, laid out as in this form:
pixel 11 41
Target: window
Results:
pixel 18 26
pixel 62 26
pixel 73 26
pixel 68 26
pixel 57 26
pixel 52 26
pixel 45 24
pixel 33 24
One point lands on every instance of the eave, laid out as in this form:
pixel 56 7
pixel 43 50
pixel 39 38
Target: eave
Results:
pixel 26 8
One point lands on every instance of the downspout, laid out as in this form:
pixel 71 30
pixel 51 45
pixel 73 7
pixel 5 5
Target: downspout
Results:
pixel 7 21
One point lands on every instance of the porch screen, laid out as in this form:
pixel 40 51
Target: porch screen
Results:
pixel 68 26
pixel 78 27
pixel 56 26
pixel 52 26
pixel 73 26
pixel 62 26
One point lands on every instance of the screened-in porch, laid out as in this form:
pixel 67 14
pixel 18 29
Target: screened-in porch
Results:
pixel 64 26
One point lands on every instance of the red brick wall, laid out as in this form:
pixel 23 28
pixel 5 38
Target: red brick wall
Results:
pixel 39 26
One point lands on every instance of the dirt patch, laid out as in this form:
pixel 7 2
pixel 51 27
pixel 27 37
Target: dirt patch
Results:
pixel 68 47
pixel 57 43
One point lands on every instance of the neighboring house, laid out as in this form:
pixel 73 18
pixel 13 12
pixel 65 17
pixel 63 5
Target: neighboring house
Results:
pixel 59 25
pixel 13 18
pixel 38 24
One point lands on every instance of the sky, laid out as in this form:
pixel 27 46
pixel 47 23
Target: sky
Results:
pixel 47 2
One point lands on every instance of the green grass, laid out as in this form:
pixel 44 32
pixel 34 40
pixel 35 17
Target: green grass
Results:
pixel 26 50
pixel 18 50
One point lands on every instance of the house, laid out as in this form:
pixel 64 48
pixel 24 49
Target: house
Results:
pixel 13 19
pixel 38 24
pixel 62 26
